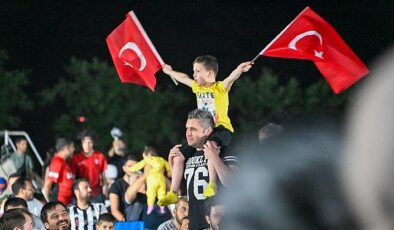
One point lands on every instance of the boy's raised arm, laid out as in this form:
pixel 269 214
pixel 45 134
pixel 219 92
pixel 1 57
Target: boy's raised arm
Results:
pixel 181 77
pixel 242 68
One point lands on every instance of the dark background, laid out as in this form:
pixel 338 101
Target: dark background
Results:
pixel 42 36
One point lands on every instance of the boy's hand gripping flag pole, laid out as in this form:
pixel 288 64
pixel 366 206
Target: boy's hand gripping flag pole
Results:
pixel 310 37
pixel 135 58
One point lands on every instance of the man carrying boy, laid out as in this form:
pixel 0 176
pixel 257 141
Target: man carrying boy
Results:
pixel 199 126
pixel 212 96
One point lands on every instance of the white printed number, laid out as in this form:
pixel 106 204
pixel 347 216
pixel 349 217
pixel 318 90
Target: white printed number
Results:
pixel 198 173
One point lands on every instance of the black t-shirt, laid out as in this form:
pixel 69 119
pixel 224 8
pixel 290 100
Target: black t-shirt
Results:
pixel 119 188
pixel 197 178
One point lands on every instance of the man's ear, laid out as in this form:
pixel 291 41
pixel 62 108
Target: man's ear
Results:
pixel 173 212
pixel 46 225
pixel 208 131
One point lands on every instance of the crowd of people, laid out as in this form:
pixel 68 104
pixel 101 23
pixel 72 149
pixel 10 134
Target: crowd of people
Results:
pixel 78 192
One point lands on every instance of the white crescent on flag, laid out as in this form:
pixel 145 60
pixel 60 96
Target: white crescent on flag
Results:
pixel 293 43
pixel 136 49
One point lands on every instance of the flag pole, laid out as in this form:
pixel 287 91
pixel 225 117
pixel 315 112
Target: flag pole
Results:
pixel 173 80
pixel 255 58
pixel 277 37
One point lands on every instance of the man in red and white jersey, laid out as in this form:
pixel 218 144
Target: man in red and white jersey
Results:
pixel 91 164
pixel 60 178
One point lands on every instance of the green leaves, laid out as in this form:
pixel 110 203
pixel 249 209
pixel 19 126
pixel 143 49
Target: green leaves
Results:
pixel 13 95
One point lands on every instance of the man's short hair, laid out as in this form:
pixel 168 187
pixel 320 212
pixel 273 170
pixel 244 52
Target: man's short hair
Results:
pixel 204 116
pixel 209 62
pixel 87 133
pixel 62 143
pixel 14 202
pixel 49 206
pixel 19 139
pixel 19 184
pixel 78 181
pixel 181 198
pixel 107 217
pixel 14 218
pixel 131 157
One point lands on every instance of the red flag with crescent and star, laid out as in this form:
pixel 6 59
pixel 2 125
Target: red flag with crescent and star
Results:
pixel 135 58
pixel 310 37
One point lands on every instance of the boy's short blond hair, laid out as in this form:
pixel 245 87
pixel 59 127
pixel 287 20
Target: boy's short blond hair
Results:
pixel 209 62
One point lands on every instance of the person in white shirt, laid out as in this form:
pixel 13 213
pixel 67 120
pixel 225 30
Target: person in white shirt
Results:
pixel 84 214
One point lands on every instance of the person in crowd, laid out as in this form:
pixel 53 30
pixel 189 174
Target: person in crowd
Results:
pixel 17 219
pixel 117 155
pixel 111 174
pixel 84 214
pixel 23 162
pixel 179 213
pixel 55 216
pixel 23 188
pixel 60 178
pixel 212 96
pixel 106 221
pixel 156 180
pixel 269 130
pixel 17 202
pixel 117 190
pixel 214 212
pixel 136 203
pixel 91 164
pixel 199 126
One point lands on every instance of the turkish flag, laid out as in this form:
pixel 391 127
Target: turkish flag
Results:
pixel 310 37
pixel 136 59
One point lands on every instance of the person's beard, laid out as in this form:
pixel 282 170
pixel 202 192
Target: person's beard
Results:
pixel 179 221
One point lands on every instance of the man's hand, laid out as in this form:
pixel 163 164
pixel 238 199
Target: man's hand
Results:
pixel 174 152
pixel 211 150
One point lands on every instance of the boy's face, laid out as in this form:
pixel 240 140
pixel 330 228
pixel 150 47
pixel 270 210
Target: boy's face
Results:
pixel 201 75
pixel 104 225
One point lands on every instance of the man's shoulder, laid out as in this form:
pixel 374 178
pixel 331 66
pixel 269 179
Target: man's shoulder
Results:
pixel 228 157
pixel 167 225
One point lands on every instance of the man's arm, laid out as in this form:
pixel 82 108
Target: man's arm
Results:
pixel 115 207
pixel 211 152
pixel 104 184
pixel 47 188
pixel 132 190
pixel 242 68
pixel 181 77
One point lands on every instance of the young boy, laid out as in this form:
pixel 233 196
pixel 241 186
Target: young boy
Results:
pixel 211 95
pixel 106 221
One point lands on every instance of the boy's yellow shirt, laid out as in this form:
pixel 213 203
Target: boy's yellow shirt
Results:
pixel 214 99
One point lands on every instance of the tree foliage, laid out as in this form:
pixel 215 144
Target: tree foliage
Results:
pixel 256 102
pixel 13 97
pixel 93 90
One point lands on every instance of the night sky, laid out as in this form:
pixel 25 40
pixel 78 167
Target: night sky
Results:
pixel 42 36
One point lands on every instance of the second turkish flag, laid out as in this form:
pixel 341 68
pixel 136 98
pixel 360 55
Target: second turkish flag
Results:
pixel 310 37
